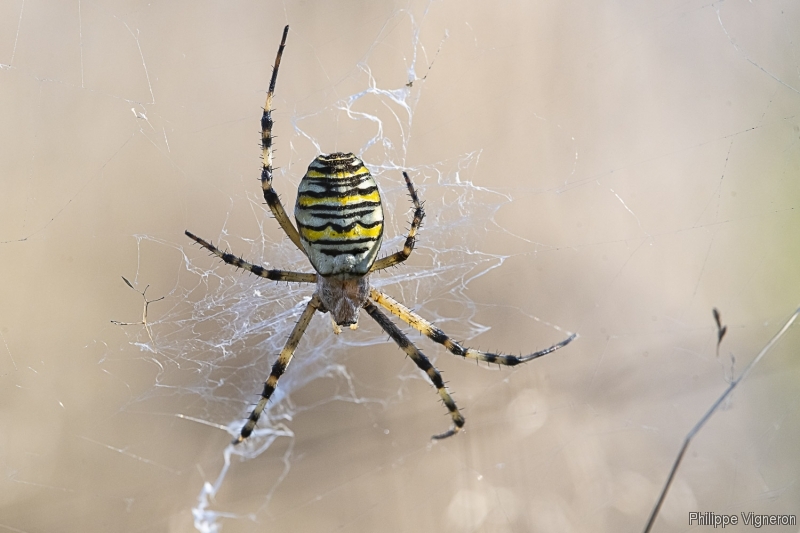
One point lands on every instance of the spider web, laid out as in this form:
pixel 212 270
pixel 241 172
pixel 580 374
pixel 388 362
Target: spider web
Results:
pixel 237 324
pixel 215 344
pixel 611 169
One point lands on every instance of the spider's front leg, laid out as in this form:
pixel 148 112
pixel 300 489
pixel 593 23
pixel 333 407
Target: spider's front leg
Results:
pixel 423 363
pixel 270 196
pixel 275 275
pixel 408 247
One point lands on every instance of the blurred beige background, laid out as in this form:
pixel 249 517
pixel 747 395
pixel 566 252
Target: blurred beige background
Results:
pixel 611 168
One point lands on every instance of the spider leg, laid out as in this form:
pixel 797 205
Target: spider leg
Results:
pixel 408 247
pixel 436 335
pixel 279 368
pixel 271 197
pixel 423 363
pixel 275 275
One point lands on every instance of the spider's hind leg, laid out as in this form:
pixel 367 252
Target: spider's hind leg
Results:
pixel 436 335
pixel 423 363
pixel 279 368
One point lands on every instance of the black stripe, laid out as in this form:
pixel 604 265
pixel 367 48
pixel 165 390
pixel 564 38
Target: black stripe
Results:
pixel 266 393
pixel 338 182
pixel 337 157
pixel 335 252
pixel 330 167
pixel 335 242
pixel 266 176
pixel 438 335
pixel 330 193
pixel 266 121
pixel 339 227
pixel 338 208
pixel 340 215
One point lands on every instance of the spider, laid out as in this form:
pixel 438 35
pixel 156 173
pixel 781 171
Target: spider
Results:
pixel 339 228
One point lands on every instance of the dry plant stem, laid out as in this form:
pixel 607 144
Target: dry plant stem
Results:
pixel 720 328
pixel 144 310
pixel 710 412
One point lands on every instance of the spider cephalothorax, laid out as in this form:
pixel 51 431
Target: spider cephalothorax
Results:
pixel 342 298
pixel 340 221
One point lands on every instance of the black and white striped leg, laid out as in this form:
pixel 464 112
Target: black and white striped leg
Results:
pixel 271 197
pixel 279 368
pixel 408 247
pixel 275 275
pixel 423 363
pixel 436 335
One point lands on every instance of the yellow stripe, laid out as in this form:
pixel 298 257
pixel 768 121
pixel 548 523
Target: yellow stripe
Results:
pixel 307 201
pixel 315 174
pixel 337 174
pixel 328 233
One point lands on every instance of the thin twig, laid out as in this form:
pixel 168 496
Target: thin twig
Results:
pixel 144 310
pixel 701 423
pixel 721 330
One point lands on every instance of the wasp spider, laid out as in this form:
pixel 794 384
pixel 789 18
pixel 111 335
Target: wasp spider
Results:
pixel 339 227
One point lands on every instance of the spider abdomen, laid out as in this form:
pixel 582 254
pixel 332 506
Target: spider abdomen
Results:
pixel 339 215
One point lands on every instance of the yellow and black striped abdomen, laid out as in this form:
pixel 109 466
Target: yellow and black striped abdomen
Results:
pixel 339 215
